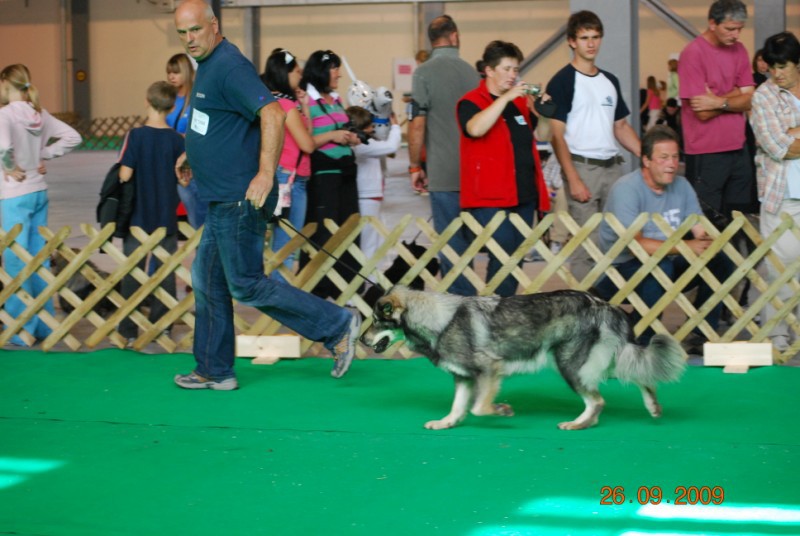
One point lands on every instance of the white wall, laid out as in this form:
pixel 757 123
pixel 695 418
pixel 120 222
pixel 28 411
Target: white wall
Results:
pixel 32 36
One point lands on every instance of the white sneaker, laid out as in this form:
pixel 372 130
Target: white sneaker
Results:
pixel 345 349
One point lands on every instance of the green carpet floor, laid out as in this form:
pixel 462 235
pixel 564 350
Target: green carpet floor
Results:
pixel 105 444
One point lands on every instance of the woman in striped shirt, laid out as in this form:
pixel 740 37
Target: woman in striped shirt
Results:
pixel 332 190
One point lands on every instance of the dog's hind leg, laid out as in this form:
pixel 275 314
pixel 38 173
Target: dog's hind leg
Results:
pixel 486 388
pixel 650 400
pixel 594 405
pixel 459 409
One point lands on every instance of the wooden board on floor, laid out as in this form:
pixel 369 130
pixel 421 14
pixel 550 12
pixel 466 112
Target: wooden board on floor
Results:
pixel 268 349
pixel 737 357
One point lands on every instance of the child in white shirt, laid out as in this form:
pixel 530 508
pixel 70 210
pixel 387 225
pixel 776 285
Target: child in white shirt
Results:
pixel 370 175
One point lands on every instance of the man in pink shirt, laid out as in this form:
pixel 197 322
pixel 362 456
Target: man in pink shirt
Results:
pixel 716 87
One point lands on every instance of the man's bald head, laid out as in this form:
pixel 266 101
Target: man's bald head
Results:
pixel 197 28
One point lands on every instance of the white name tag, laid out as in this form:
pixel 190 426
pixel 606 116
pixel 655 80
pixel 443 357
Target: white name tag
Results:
pixel 199 122
pixel 520 120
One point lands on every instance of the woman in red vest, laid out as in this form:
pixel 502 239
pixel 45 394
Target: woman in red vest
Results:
pixel 500 167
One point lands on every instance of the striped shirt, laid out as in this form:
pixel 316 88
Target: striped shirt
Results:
pixel 774 112
pixel 326 118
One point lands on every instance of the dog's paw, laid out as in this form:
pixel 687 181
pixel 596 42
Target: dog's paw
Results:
pixel 655 410
pixel 575 425
pixel 440 424
pixel 504 409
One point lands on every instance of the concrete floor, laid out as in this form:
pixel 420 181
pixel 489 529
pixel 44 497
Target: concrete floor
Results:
pixel 74 186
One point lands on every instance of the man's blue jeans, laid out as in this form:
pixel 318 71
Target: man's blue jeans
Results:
pixel 650 290
pixel 230 265
pixel 445 207
pixel 508 237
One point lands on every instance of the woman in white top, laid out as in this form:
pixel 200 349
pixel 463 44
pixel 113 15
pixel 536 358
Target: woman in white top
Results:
pixel 370 176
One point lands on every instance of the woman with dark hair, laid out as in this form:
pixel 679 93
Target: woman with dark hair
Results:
pixel 775 117
pixel 332 190
pixel 760 68
pixel 28 136
pixel 282 76
pixel 500 167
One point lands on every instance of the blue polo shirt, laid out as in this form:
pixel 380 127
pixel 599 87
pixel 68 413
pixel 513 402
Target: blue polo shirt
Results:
pixel 223 141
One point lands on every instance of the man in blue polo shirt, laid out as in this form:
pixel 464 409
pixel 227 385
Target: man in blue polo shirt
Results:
pixel 233 142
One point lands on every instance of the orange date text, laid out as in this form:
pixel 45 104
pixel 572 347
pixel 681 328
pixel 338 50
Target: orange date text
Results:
pixel 680 495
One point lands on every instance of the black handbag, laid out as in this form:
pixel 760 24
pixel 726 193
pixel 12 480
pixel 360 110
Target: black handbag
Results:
pixel 116 202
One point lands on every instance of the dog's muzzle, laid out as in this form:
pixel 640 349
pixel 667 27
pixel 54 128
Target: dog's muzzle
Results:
pixel 379 339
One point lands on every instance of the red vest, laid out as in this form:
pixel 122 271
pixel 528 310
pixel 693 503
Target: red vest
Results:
pixel 488 175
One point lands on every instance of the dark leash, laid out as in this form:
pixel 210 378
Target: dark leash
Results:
pixel 275 219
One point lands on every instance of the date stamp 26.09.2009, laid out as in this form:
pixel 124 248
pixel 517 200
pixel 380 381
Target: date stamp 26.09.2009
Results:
pixel 681 495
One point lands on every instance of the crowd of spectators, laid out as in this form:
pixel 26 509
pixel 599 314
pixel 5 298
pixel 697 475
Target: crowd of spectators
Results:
pixel 472 147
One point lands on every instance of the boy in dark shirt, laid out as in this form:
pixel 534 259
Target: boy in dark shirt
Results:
pixel 148 157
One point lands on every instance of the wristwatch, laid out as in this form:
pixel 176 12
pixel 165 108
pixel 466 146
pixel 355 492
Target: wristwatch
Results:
pixel 724 106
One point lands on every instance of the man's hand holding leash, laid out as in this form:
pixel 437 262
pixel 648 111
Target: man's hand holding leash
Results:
pixel 259 189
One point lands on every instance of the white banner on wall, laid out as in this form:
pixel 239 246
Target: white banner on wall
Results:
pixel 402 71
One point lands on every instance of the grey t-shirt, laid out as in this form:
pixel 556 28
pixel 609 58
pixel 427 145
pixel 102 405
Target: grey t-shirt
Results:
pixel 438 84
pixel 630 196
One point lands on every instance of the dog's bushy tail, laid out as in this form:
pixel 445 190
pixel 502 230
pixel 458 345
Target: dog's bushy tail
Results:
pixel 663 360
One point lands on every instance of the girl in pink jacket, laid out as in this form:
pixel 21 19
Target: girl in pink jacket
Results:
pixel 28 135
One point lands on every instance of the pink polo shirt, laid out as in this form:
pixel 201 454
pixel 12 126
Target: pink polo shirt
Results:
pixel 721 68
pixel 291 151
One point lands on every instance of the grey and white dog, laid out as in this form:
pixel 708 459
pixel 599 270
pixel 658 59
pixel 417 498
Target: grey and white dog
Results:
pixel 480 340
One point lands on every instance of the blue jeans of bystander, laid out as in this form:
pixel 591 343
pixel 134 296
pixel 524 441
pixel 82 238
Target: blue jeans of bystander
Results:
pixel 508 237
pixel 195 209
pixel 445 207
pixel 30 210
pixel 128 327
pixel 651 290
pixel 297 215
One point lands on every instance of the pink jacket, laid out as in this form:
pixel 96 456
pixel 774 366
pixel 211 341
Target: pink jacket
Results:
pixel 24 137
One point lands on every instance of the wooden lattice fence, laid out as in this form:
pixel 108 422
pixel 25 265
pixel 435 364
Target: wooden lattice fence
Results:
pixel 103 133
pixel 71 327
